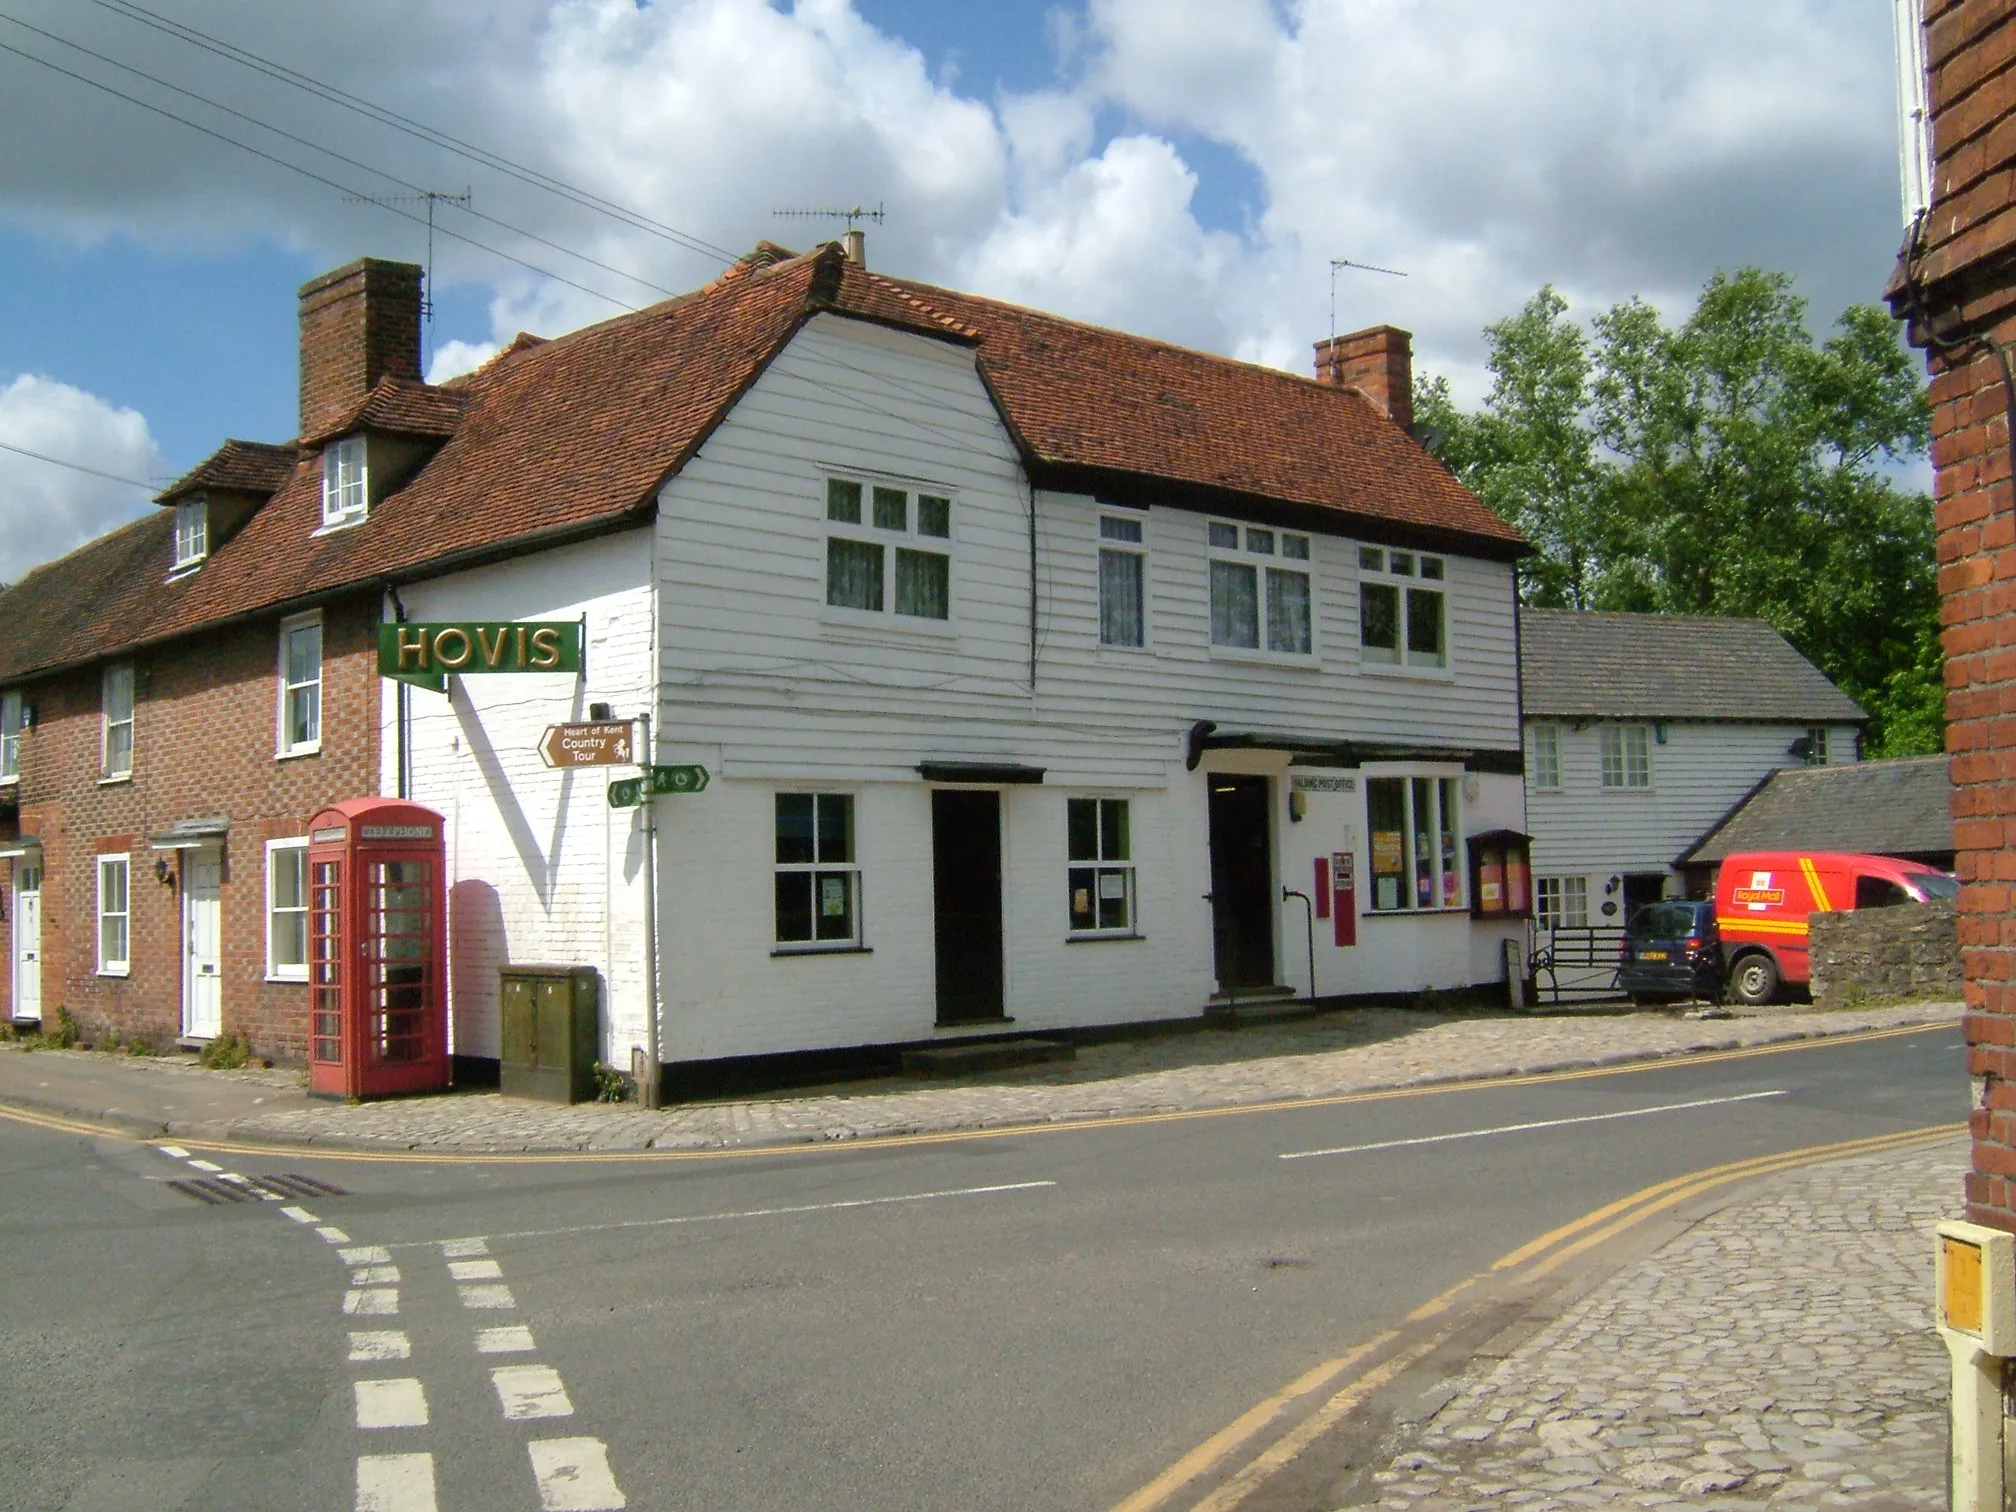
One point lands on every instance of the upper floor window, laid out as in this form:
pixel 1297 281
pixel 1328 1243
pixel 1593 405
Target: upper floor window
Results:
pixel 1627 756
pixel 192 532
pixel 888 548
pixel 1123 579
pixel 344 495
pixel 116 717
pixel 1546 768
pixel 1401 614
pixel 10 737
pixel 1258 572
pixel 1816 746
pixel 301 685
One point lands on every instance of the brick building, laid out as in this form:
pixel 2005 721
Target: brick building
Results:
pixel 1955 284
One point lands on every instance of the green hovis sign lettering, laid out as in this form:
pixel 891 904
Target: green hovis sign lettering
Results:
pixel 424 654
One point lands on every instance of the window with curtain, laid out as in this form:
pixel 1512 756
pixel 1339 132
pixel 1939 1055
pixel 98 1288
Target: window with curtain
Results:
pixel 301 685
pixel 1123 576
pixel 1627 756
pixel 1546 757
pixel 888 549
pixel 10 736
pixel 1260 589
pixel 116 704
pixel 345 491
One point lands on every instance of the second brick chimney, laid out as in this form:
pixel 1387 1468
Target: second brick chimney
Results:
pixel 1378 363
pixel 359 324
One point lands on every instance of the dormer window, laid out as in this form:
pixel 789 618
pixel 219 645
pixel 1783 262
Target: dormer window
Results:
pixel 192 532
pixel 343 486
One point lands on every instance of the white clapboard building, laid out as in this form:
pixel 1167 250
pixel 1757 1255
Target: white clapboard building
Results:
pixel 1045 677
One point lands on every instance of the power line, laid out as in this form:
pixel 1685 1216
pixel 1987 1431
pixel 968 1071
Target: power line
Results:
pixel 385 117
pixel 76 466
pixel 309 173
pixel 328 152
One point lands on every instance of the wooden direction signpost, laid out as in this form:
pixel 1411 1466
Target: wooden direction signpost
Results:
pixel 610 742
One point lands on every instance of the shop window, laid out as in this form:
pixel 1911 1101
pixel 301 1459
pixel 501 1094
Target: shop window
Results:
pixel 287 910
pixel 888 549
pixel 1402 615
pixel 818 875
pixel 1101 869
pixel 114 916
pixel 1414 824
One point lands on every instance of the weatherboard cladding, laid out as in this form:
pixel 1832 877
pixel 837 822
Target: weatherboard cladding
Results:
pixel 1582 665
pixel 1882 808
pixel 558 438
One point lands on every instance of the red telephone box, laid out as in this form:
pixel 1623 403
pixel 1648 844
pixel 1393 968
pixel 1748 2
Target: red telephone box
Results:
pixel 377 990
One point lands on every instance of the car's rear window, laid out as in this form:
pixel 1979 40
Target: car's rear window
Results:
pixel 1941 885
pixel 1660 921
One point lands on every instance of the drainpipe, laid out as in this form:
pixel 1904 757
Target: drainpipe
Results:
pixel 648 1089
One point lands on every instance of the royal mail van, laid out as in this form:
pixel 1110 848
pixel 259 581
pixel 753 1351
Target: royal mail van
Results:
pixel 1762 899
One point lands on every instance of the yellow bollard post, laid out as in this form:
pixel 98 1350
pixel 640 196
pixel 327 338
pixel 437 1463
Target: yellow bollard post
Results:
pixel 1975 1300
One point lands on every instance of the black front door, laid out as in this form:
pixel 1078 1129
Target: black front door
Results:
pixel 1242 882
pixel 1641 888
pixel 966 884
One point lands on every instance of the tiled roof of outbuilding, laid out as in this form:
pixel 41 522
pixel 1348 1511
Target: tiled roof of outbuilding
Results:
pixel 1878 808
pixel 552 439
pixel 257 467
pixel 1582 665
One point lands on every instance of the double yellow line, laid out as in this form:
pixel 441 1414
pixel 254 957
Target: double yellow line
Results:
pixel 1529 1262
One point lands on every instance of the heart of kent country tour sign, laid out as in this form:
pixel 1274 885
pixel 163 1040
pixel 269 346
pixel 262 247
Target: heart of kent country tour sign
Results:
pixel 656 782
pixel 603 743
pixel 424 654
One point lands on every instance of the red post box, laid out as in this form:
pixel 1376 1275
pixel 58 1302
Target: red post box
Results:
pixel 377 935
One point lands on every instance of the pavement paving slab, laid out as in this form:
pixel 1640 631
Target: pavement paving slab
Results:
pixel 1326 1054
pixel 1779 1354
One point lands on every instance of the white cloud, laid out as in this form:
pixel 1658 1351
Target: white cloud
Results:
pixel 47 509
pixel 454 358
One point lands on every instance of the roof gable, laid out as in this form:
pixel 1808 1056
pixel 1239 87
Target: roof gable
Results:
pixel 1883 808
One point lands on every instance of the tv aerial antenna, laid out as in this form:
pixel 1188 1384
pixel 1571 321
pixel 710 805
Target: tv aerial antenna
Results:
pixel 853 239
pixel 428 198
pixel 1339 263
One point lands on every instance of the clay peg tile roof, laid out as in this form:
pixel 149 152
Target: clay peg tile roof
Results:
pixel 399 407
pixel 255 467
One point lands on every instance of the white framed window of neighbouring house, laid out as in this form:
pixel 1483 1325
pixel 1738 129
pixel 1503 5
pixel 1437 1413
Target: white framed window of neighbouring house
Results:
pixel 300 692
pixel 192 533
pixel 1403 618
pixel 1262 591
pixel 115 932
pixel 1415 824
pixel 1099 852
pixel 116 722
pixel 287 910
pixel 1561 902
pixel 889 550
pixel 345 482
pixel 1546 757
pixel 1627 756
pixel 1123 581
pixel 10 736
pixel 818 875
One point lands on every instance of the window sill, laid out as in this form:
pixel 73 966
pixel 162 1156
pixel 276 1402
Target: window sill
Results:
pixel 1415 674
pixel 1462 912
pixel 1313 662
pixel 120 781
pixel 14 781
pixel 883 629
pixel 1628 792
pixel 1102 939
pixel 822 950
pixel 120 972
pixel 1126 651
pixel 287 981
pixel 306 750
pixel 349 522
pixel 984 1021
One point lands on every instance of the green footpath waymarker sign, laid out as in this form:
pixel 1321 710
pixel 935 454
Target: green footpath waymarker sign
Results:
pixel 424 654
pixel 656 782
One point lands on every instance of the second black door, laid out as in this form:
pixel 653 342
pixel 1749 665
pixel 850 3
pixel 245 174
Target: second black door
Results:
pixel 1242 882
pixel 966 884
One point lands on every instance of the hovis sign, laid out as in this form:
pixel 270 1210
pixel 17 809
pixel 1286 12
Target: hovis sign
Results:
pixel 424 653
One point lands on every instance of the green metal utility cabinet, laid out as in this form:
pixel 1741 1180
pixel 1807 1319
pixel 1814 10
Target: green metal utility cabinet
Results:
pixel 551 1032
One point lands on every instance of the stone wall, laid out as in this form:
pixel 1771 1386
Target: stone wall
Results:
pixel 1910 951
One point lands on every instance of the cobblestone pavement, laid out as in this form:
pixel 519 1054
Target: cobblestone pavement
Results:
pixel 1346 1051
pixel 1780 1354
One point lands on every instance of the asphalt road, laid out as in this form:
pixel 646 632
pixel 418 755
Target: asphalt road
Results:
pixel 1033 1321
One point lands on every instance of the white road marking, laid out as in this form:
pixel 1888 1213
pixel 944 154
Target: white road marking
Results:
pixel 205 1165
pixel 530 1391
pixel 300 1215
pixel 1546 1123
pixel 516 1339
pixel 367 1254
pixel 573 1476
pixel 475 1270
pixel 376 1301
pixel 458 1249
pixel 389 1344
pixel 175 1150
pixel 495 1296
pixel 775 1212
pixel 391 1404
pixel 375 1275
pixel 333 1235
pixel 395 1483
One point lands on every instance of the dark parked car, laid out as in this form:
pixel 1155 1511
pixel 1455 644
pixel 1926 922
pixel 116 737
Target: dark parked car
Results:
pixel 1672 949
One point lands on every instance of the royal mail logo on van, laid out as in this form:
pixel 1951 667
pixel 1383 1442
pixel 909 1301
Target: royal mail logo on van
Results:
pixel 1760 893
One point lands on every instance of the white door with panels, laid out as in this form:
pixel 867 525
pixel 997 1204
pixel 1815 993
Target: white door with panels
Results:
pixel 202 938
pixel 27 939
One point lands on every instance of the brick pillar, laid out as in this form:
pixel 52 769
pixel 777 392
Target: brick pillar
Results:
pixel 1378 363
pixel 359 324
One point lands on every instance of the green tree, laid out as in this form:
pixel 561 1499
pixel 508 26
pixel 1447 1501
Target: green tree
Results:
pixel 1730 465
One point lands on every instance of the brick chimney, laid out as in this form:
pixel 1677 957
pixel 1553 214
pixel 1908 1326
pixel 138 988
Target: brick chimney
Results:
pixel 358 325
pixel 1378 363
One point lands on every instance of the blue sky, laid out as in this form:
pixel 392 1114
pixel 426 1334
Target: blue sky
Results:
pixel 1181 167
